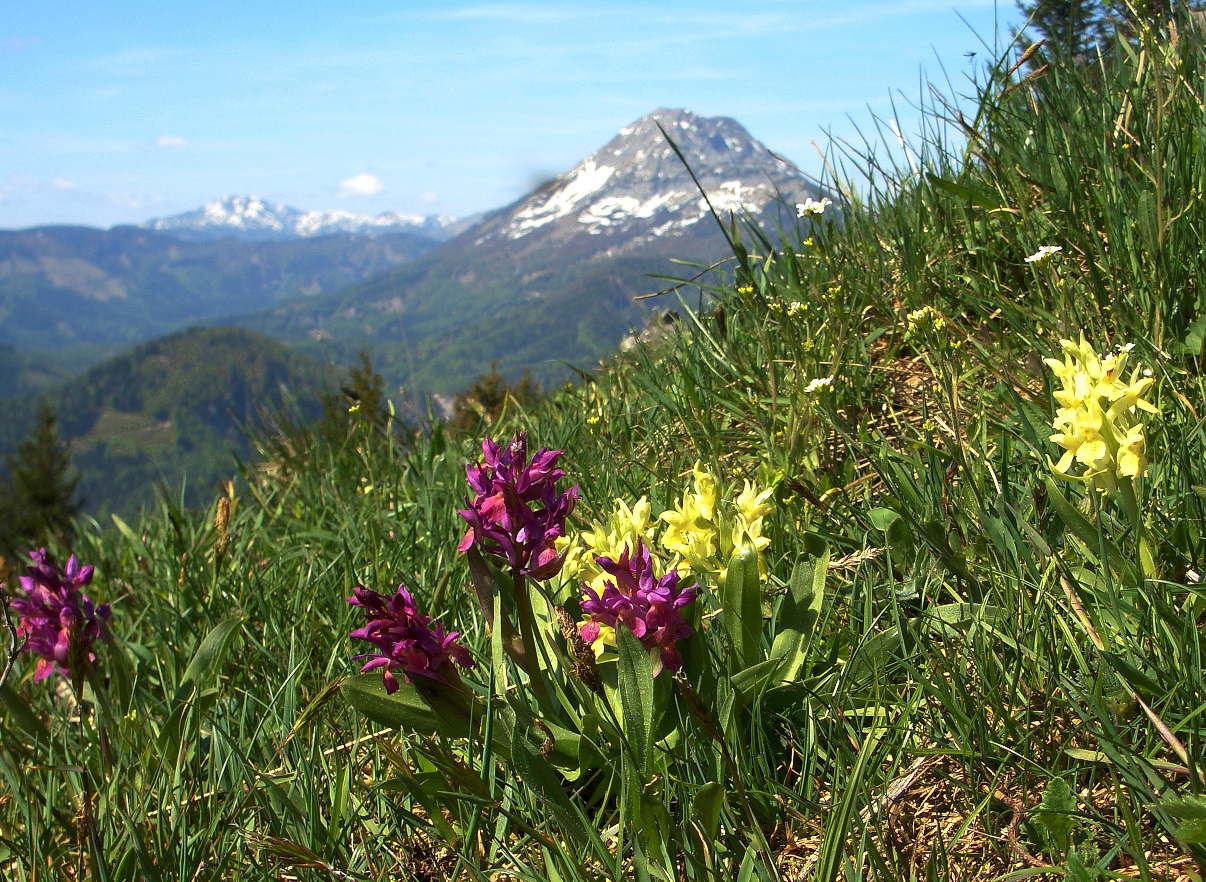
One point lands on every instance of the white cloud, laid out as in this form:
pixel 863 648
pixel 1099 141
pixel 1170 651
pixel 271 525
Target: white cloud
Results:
pixel 361 185
pixel 428 197
pixel 62 184
pixel 170 142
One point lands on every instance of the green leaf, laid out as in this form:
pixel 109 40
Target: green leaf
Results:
pixel 1090 535
pixel 635 685
pixel 799 613
pixel 1055 817
pixel 538 776
pixel 132 537
pixel 974 195
pixel 882 518
pixel 208 657
pixel 1195 338
pixel 424 708
pixel 750 681
pixel 705 810
pixel 742 605
pixel 22 714
pixel 1186 808
pixel 1076 871
pixel 191 695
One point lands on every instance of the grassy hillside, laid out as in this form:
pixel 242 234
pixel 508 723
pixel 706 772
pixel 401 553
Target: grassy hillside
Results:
pixel 933 650
pixel 174 407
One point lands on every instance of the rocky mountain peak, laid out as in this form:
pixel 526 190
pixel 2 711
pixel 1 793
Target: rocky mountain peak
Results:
pixel 636 186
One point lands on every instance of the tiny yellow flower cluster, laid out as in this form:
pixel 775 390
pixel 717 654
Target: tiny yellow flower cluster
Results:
pixel 1098 423
pixel 925 319
pixel 706 533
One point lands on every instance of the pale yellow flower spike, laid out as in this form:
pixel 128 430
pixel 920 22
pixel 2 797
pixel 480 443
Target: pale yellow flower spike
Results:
pixel 1098 423
pixel 705 535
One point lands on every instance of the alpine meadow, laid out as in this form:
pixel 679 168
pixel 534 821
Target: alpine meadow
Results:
pixel 882 558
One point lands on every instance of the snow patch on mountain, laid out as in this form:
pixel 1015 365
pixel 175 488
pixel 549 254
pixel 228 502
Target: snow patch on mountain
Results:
pixel 586 179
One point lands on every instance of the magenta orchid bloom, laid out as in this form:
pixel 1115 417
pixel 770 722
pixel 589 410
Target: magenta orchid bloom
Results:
pixel 405 640
pixel 56 618
pixel 517 514
pixel 649 607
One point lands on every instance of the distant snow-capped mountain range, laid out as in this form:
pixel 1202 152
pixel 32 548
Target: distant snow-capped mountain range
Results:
pixel 252 218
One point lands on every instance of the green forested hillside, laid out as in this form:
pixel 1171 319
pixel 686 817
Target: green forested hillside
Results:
pixel 65 287
pixel 176 406
pixel 886 562
pixel 441 320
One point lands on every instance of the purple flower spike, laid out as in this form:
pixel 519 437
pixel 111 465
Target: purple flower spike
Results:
pixel 56 617
pixel 404 639
pixel 518 515
pixel 649 607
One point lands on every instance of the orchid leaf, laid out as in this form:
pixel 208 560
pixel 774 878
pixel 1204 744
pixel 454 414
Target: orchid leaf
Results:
pixel 635 685
pixel 742 604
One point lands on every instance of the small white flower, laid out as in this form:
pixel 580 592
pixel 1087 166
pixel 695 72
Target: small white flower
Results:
pixel 1044 253
pixel 818 385
pixel 813 207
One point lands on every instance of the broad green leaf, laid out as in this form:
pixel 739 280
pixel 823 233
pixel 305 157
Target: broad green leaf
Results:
pixel 635 685
pixel 1195 338
pixel 705 809
pixel 742 604
pixel 748 682
pixel 974 195
pixel 425 708
pixel 132 537
pixel 799 613
pixel 1188 808
pixel 1191 812
pixel 882 518
pixel 1055 817
pixel 192 699
pixel 208 657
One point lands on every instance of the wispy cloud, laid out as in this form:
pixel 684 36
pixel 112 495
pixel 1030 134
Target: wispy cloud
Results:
pixel 361 185
pixel 16 44
pixel 170 142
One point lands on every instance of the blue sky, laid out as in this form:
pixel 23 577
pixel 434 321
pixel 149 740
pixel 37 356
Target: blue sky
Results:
pixel 119 111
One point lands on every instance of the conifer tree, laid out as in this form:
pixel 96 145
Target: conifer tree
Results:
pixel 1069 27
pixel 361 401
pixel 39 492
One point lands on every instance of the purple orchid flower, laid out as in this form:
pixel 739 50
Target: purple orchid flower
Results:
pixel 518 515
pixel 405 640
pixel 57 619
pixel 649 607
